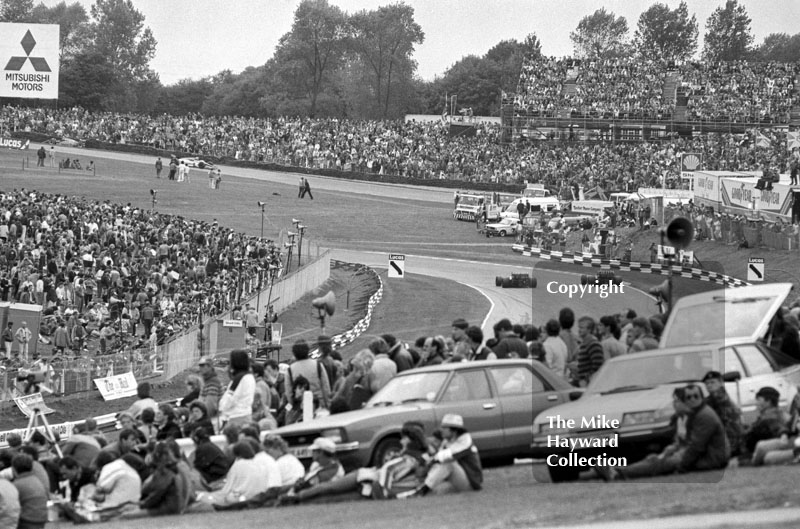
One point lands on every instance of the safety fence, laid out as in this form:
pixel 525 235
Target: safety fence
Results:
pixel 347 337
pixel 68 376
pixel 596 261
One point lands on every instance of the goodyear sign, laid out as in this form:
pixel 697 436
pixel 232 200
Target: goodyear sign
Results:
pixel 29 58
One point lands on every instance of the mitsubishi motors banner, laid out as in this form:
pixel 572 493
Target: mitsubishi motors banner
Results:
pixel 29 58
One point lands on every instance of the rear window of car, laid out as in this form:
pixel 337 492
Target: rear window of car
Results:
pixel 514 381
pixel 467 385
pixel 754 360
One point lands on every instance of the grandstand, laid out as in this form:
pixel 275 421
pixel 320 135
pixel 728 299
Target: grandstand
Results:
pixel 623 100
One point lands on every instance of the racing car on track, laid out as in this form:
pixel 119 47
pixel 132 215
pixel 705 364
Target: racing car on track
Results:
pixel 197 162
pixel 515 281
pixel 601 277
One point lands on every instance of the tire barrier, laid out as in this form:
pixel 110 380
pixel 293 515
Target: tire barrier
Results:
pixel 595 261
pixel 340 340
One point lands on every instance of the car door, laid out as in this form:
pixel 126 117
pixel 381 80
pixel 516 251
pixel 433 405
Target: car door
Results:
pixel 519 392
pixel 760 373
pixel 468 394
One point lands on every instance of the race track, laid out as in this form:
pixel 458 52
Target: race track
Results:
pixel 519 305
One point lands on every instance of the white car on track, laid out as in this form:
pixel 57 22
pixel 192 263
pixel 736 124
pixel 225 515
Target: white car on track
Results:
pixel 197 162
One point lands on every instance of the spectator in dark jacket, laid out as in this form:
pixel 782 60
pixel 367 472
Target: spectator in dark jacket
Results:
pixel 209 459
pixel 165 421
pixel 398 353
pixel 510 345
pixel 771 422
pixel 726 410
pixel 166 490
pixel 707 446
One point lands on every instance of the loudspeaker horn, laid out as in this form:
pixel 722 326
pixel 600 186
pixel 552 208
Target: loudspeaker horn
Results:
pixel 326 303
pixel 680 232
pixel 661 291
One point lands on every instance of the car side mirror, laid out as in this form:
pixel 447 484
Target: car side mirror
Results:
pixel 575 395
pixel 732 376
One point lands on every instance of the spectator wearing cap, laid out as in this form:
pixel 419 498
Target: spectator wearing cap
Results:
pixel 461 349
pixel 456 465
pixel 398 353
pixel 643 339
pixel 771 422
pixel 510 344
pixel 212 387
pixel 324 467
pixel 726 410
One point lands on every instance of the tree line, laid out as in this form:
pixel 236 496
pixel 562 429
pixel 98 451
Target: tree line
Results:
pixel 360 65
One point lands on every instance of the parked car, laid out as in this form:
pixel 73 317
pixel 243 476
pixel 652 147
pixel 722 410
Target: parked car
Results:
pixel 498 400
pixel 722 330
pixel 197 162
pixel 507 226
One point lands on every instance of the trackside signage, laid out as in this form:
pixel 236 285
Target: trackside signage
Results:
pixel 29 58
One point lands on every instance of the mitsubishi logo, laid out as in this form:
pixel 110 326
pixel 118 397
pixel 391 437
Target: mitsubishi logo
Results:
pixel 39 64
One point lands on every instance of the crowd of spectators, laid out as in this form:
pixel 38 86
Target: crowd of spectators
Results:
pixel 120 273
pixel 737 91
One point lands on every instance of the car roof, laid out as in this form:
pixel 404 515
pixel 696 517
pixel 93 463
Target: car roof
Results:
pixel 775 292
pixel 538 367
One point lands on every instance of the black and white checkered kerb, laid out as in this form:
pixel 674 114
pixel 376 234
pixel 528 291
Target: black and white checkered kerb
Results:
pixel 596 261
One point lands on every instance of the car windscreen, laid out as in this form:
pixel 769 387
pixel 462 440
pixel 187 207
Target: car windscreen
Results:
pixel 409 388
pixel 718 320
pixel 469 200
pixel 646 371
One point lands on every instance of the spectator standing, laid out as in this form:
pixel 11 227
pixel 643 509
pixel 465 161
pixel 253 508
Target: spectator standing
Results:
pixel 510 345
pixel 477 350
pixel 398 353
pixel 609 337
pixel 626 318
pixel 566 319
pixel 332 367
pixel 251 319
pixel 555 350
pixel 461 348
pixel 236 403
pixel 9 504
pixel 589 357
pixel 383 369
pixel 643 339
pixel 8 338
pixel 311 370
pixel 23 336
pixel 159 167
pixel 212 387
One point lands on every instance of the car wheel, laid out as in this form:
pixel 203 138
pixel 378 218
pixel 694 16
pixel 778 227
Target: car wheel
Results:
pixel 584 279
pixel 506 283
pixel 533 282
pixel 562 474
pixel 387 449
pixel 498 281
pixel 502 233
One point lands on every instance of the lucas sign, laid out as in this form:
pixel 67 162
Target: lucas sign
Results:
pixel 29 58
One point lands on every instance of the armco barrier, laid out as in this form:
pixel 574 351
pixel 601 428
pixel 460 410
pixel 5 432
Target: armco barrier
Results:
pixel 340 340
pixel 594 261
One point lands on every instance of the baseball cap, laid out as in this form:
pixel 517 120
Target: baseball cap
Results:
pixel 204 362
pixel 451 420
pixel 324 444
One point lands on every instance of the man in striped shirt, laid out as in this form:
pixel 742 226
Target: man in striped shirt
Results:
pixel 590 352
pixel 212 387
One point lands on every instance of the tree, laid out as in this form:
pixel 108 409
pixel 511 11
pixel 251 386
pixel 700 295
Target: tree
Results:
pixel 119 34
pixel 383 40
pixel 477 82
pixel 600 35
pixel 313 48
pixel 728 36
pixel 73 25
pixel 779 47
pixel 86 80
pixel 665 34
pixel 15 10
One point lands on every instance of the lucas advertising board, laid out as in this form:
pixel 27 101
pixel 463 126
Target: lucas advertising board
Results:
pixel 29 58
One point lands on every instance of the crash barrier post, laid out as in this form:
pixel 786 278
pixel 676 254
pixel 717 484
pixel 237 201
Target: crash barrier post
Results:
pixel 596 261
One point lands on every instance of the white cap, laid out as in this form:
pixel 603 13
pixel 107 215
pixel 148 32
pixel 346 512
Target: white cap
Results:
pixel 324 444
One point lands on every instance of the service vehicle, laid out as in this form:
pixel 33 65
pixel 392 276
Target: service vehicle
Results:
pixel 537 197
pixel 502 228
pixel 728 330
pixel 469 206
pixel 496 398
